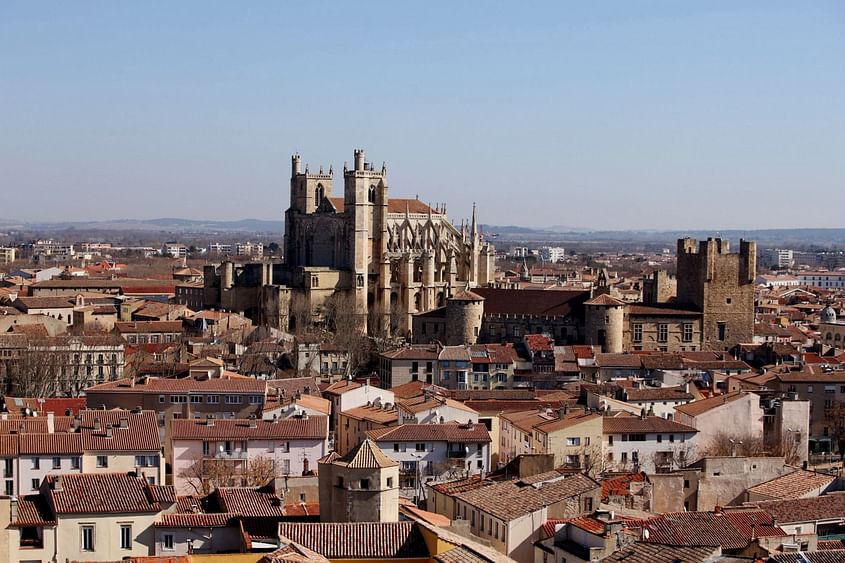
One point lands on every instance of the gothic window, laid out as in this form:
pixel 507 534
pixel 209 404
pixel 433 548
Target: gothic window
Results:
pixel 371 196
pixel 319 192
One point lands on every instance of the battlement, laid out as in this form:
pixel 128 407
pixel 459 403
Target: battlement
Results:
pixel 707 247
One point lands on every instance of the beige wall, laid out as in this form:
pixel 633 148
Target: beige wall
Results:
pixel 106 536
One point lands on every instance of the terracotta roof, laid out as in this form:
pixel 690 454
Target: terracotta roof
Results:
pixel 422 403
pixel 662 361
pixel 493 394
pixel 365 455
pixel 455 353
pixel 458 486
pixel 535 302
pixel 466 295
pixel 812 373
pixel 754 523
pixel 826 507
pixel 292 552
pixel 250 502
pixel 619 360
pixel 650 424
pixel 310 428
pixel 512 499
pixel 8 445
pixel 99 493
pixel 359 540
pixel 640 552
pixel 33 510
pixel 793 485
pixel 697 408
pixel 148 326
pixel 50 444
pixel 184 385
pixel 371 413
pixel 658 394
pixel 408 390
pixel 417 352
pixel 141 433
pixel 196 520
pixel 620 485
pixel 605 300
pixel 432 433
pixel 341 387
pixel 830 544
pixel 823 556
pixel 539 342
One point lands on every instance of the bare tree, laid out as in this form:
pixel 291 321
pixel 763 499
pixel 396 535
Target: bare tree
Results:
pixel 835 417
pixel 344 323
pixel 724 444
pixel 204 475
pixel 789 447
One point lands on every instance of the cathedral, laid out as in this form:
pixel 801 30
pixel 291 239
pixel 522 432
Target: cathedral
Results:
pixel 390 257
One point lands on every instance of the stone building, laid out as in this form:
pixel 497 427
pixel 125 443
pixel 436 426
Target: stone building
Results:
pixel 362 486
pixel 390 257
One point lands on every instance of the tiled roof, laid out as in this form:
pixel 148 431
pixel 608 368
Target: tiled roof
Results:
pixel 512 499
pixel 364 455
pixel 9 445
pixel 620 485
pixel 409 390
pixel 50 444
pixel 141 433
pixel 310 428
pixel 830 544
pixel 292 552
pixel 640 552
pixel 695 528
pixel 148 326
pixel 824 556
pixel 184 385
pixel 455 353
pixel 360 540
pixel 662 361
pixel 658 394
pixel 754 523
pixel 635 424
pixel 341 387
pixel 605 300
pixel 539 342
pixel 196 520
pixel 826 507
pixel 415 352
pixel 497 394
pixel 432 433
pixel 537 302
pixel 452 488
pixel 812 373
pixel 99 493
pixel 422 403
pixel 618 360
pixel 696 408
pixel 250 502
pixel 466 295
pixel 371 413
pixel 462 554
pixel 793 485
pixel 33 510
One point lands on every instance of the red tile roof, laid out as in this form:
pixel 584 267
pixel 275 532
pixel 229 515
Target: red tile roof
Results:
pixel 250 502
pixel 535 302
pixel 99 493
pixel 310 428
pixel 651 424
pixel 158 385
pixel 359 540
pixel 200 520
pixel 468 433
pixel 50 444
pixel 33 510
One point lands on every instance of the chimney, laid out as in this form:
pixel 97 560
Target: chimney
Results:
pixel 57 483
pixel 51 423
pixel 13 509
pixel 124 422
pixel 108 432
pixel 210 420
pixel 97 423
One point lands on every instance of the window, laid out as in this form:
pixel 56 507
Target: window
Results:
pixel 686 483
pixel 212 399
pixel 420 447
pixel 662 332
pixel 125 536
pixel 395 447
pixel 588 504
pixel 86 542
pixel 167 542
pixel 161 398
pixel 285 467
pixel 179 399
pixel 10 487
pixel 671 437
pixel 573 441
pixel 255 399
pixel 233 399
pixel 365 484
pixel 624 457
pixel 57 463
pixel 610 440
pixel 809 388
pixel 102 461
pixel 36 463
pixel 196 398
pixel 638 332
pixel 687 332
pixel 659 438
pixel 390 482
pixel 722 329
pixel 35 484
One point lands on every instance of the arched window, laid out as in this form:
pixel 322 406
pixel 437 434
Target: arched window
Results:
pixel 829 336
pixel 318 194
pixel 838 337
pixel 371 196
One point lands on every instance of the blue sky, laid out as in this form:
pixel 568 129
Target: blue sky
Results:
pixel 610 115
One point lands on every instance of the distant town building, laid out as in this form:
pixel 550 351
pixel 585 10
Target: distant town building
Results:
pixel 553 254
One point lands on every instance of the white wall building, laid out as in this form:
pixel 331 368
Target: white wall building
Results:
pixel 634 443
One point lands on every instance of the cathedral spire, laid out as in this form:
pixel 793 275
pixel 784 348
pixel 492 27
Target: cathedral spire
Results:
pixel 474 228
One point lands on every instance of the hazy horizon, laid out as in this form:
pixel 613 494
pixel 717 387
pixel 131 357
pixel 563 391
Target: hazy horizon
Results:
pixel 602 116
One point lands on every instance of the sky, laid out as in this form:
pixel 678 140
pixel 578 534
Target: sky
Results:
pixel 602 115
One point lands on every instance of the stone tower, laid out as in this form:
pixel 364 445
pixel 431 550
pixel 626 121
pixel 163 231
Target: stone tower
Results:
pixel 362 486
pixel 721 285
pixel 605 323
pixel 464 312
pixel 660 287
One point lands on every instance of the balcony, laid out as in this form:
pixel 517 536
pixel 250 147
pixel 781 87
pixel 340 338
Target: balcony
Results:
pixel 240 454
pixel 458 454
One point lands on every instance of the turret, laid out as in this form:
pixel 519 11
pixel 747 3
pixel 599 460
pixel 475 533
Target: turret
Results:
pixel 359 159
